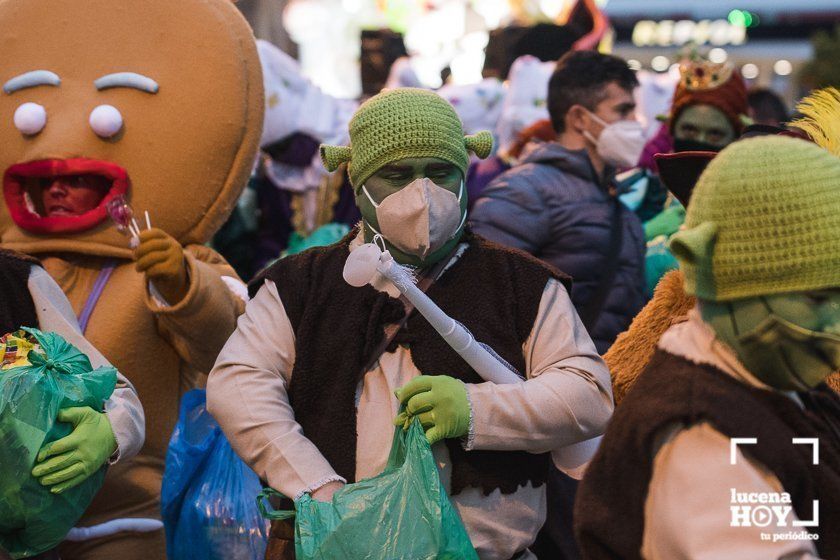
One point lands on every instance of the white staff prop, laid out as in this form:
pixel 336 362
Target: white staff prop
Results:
pixel 368 260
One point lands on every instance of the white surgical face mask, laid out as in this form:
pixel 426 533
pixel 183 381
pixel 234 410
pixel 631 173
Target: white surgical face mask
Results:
pixel 621 143
pixel 419 218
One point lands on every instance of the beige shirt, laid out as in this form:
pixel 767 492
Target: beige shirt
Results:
pixel 123 408
pixel 687 511
pixel 566 399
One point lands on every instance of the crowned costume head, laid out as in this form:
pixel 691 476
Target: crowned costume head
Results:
pixel 176 135
pixel 708 83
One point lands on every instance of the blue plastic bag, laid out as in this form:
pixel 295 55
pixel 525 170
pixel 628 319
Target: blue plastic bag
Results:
pixel 207 499
pixel 401 514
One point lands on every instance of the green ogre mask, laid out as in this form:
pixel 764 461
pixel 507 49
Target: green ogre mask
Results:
pixel 407 160
pixel 761 252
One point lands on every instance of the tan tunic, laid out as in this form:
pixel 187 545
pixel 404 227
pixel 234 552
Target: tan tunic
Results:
pixel 687 511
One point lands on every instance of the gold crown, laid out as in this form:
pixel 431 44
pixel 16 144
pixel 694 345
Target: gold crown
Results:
pixel 698 75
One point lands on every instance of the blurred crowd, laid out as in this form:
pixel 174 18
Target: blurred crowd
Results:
pixel 530 318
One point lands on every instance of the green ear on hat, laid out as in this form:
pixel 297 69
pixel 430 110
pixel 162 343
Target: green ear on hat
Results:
pixel 481 144
pixel 694 246
pixel 334 156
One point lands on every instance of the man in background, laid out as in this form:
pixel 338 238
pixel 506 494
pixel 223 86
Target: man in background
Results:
pixel 560 205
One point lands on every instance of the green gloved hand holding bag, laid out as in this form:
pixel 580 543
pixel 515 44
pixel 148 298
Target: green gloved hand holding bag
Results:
pixel 69 461
pixel 441 404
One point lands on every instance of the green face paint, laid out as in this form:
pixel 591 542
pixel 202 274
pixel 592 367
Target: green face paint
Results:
pixel 422 217
pixel 706 124
pixel 788 341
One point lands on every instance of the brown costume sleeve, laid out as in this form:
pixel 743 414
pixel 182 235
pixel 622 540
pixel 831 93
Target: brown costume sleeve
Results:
pixel 199 325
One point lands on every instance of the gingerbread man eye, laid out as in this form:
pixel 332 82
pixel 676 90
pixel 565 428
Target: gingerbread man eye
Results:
pixel 106 121
pixel 30 118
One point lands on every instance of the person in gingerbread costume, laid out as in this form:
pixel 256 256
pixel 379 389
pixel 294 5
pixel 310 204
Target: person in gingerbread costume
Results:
pixel 159 104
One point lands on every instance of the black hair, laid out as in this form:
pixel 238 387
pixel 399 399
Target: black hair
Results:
pixel 580 78
pixel 767 106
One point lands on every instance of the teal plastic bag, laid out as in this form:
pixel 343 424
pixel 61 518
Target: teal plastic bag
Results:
pixel 402 514
pixel 32 519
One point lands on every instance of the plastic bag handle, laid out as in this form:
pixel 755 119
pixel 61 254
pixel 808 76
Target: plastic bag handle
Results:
pixel 268 512
pixel 400 447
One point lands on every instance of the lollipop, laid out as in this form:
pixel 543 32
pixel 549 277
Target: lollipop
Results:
pixel 123 217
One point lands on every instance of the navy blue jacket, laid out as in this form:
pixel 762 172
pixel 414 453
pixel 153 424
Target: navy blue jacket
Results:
pixel 561 214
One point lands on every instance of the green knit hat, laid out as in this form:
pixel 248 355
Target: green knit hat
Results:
pixel 404 123
pixel 764 219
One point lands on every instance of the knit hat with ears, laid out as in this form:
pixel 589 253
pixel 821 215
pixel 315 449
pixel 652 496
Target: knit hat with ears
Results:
pixel 404 123
pixel 764 219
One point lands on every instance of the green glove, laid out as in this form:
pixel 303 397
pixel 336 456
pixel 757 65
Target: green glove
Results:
pixel 67 462
pixel 441 404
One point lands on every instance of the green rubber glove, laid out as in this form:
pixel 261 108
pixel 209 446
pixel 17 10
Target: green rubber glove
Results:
pixel 441 404
pixel 68 462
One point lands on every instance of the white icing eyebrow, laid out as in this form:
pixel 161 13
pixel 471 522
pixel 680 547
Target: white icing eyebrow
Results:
pixel 32 79
pixel 127 80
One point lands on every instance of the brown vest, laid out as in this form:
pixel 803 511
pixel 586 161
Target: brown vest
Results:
pixel 16 306
pixel 609 512
pixel 495 292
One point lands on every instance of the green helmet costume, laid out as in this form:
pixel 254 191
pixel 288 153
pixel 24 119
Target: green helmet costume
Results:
pixel 407 124
pixel 761 251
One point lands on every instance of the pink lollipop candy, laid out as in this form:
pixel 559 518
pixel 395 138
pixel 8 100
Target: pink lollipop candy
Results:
pixel 123 216
pixel 120 212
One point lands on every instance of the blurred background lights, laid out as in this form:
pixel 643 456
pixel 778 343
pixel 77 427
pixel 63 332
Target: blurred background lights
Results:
pixel 750 71
pixel 552 8
pixel 743 18
pixel 783 67
pixel 660 63
pixel 717 55
pixel 305 20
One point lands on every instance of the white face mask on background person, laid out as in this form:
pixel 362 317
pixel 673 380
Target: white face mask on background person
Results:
pixel 621 143
pixel 420 218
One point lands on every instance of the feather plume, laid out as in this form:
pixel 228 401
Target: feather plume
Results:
pixel 821 119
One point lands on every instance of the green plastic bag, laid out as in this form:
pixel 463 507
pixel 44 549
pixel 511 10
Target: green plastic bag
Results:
pixel 402 514
pixel 32 519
